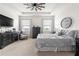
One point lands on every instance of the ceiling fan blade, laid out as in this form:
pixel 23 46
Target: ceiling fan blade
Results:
pixel 26 4
pixel 32 8
pixel 42 6
pixel 28 7
pixel 36 9
pixel 39 8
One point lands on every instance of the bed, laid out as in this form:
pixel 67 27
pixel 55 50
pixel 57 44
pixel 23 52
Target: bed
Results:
pixel 53 42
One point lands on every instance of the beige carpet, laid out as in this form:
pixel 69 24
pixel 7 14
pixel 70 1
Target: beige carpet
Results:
pixel 27 48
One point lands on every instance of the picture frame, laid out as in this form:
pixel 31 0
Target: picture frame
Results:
pixel 66 22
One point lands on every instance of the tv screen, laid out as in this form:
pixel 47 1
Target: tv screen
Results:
pixel 6 21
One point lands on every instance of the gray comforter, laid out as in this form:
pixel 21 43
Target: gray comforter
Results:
pixel 50 41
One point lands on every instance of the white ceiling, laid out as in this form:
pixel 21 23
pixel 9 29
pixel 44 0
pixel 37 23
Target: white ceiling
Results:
pixel 22 8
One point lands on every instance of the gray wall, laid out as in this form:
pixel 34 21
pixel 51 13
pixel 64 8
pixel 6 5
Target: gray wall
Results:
pixel 37 20
pixel 67 10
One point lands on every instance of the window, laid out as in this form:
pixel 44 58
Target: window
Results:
pixel 47 26
pixel 25 26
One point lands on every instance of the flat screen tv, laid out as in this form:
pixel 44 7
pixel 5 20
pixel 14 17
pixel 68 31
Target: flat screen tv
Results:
pixel 6 21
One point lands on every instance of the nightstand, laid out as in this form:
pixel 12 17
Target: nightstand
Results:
pixel 77 47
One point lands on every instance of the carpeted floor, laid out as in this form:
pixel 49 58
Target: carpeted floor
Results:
pixel 27 48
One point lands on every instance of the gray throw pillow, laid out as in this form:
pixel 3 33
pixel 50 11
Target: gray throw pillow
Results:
pixel 62 32
pixel 71 34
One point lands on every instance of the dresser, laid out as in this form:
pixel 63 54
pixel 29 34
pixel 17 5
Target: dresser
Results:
pixel 35 31
pixel 7 38
pixel 77 47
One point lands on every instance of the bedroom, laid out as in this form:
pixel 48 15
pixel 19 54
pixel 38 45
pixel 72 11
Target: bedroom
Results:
pixel 48 20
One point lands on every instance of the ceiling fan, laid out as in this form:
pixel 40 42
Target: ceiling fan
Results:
pixel 35 6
